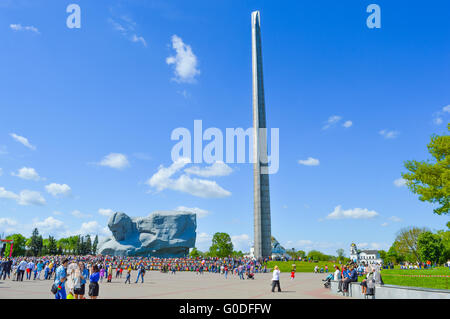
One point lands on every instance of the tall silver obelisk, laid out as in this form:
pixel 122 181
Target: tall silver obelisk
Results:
pixel 262 228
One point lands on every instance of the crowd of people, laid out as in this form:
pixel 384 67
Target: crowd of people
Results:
pixel 95 269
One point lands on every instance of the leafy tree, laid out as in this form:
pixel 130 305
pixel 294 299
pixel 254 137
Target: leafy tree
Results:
pixel 195 253
pixel 406 242
pixel 88 250
pixel 95 245
pixel 238 254
pixel 221 245
pixel 429 247
pixel 383 255
pixel 51 247
pixel 36 243
pixel 18 246
pixel 340 254
pixel 431 180
pixel 319 256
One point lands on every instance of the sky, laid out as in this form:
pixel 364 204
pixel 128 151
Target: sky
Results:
pixel 86 115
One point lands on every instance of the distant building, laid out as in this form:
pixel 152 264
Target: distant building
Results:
pixel 366 257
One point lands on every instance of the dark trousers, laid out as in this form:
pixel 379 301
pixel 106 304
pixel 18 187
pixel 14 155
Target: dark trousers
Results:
pixel 20 275
pixel 346 282
pixel 340 285
pixel 276 283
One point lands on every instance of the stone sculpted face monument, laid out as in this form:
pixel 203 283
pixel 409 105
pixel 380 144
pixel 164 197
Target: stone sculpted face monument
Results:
pixel 161 234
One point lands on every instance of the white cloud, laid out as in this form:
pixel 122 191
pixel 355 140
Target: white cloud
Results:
pixel 115 160
pixel 216 169
pixel 203 241
pixel 438 120
pixel 355 213
pixel 400 182
pixel 19 27
pixel 23 140
pixel 395 219
pixel 26 197
pixel 8 194
pixel 241 242
pixel 309 162
pixel 197 187
pixel 79 214
pixel 388 134
pixel 332 120
pixel 93 228
pixel 27 173
pixel 446 109
pixel 198 211
pixel 136 38
pixel 1 172
pixel 126 26
pixel 58 189
pixel 57 213
pixel 7 225
pixel 185 61
pixel 105 211
pixel 50 226
pixel 347 124
pixel 384 224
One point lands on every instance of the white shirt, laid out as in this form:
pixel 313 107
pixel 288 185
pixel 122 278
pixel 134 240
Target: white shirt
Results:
pixel 336 274
pixel 276 275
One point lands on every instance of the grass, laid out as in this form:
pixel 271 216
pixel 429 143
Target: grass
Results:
pixel 390 276
pixel 302 266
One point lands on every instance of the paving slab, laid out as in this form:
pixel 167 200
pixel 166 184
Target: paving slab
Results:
pixel 185 285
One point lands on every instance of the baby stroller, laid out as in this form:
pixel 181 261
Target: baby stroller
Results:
pixel 327 281
pixel 250 276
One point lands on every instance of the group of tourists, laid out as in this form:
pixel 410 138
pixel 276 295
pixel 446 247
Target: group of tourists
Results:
pixel 95 269
pixel 350 273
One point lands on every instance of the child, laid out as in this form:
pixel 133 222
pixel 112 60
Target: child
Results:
pixel 292 275
pixel 128 275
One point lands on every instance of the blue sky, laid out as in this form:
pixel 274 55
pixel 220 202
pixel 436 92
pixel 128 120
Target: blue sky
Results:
pixel 97 106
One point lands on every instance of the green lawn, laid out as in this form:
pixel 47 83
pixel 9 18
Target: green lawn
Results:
pixel 302 266
pixel 388 275
pixel 424 282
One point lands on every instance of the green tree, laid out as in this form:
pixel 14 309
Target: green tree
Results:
pixel 406 242
pixel 221 245
pixel 195 253
pixel 88 245
pixel 445 237
pixel 51 247
pixel 36 243
pixel 429 247
pixel 340 254
pixel 18 245
pixel 431 180
pixel 95 245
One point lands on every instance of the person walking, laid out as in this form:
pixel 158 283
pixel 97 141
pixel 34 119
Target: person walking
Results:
pixel 93 285
pixel 84 275
pixel 21 269
pixel 276 279
pixel 128 275
pixel 60 279
pixel 141 273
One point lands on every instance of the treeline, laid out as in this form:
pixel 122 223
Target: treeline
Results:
pixel 36 245
pixel 414 244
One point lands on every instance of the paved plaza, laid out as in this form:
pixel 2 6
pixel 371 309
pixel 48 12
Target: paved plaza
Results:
pixel 185 285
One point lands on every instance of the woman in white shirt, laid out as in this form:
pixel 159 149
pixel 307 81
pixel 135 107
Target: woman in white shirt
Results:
pixel 276 279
